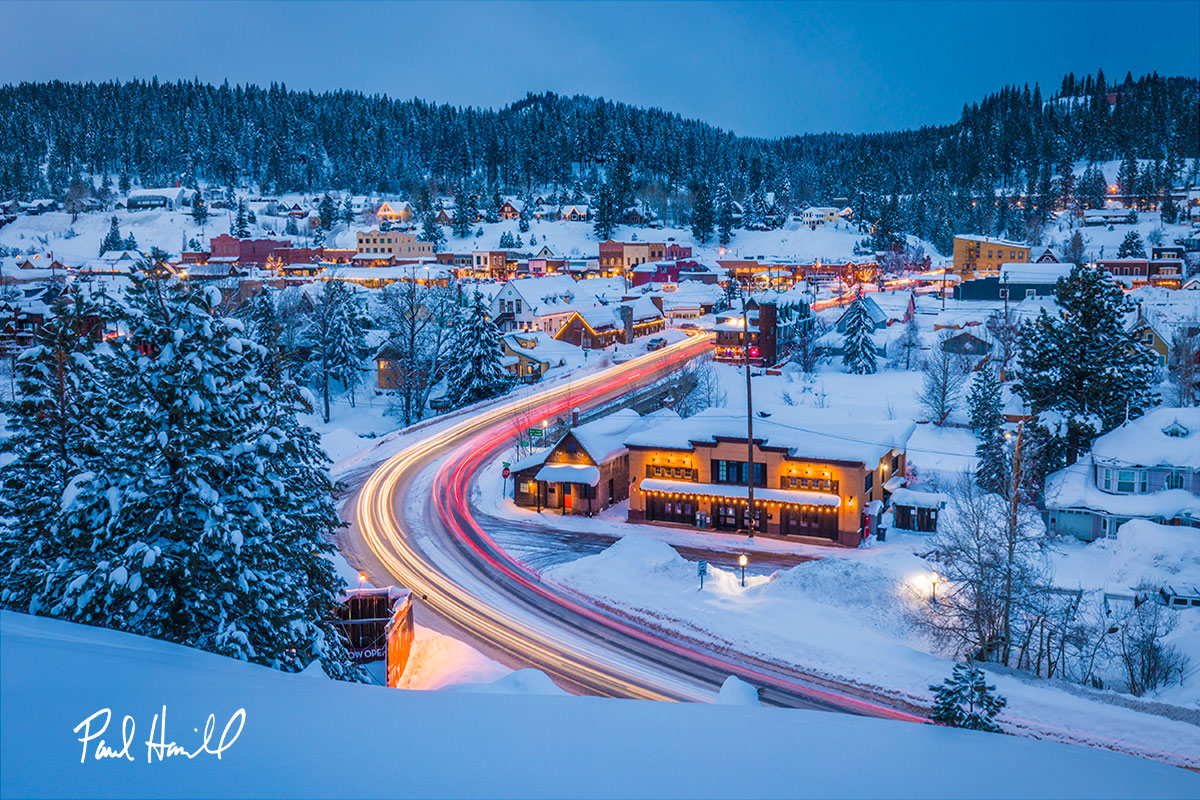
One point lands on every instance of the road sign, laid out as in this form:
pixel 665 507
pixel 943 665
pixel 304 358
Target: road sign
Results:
pixel 505 464
pixel 505 472
pixel 536 433
pixel 702 568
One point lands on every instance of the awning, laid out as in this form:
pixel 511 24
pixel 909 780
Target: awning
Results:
pixel 569 473
pixel 739 492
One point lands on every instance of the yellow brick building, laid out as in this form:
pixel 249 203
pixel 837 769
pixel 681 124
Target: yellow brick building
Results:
pixel 983 255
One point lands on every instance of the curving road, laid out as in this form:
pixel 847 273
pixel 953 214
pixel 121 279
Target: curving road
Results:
pixel 413 523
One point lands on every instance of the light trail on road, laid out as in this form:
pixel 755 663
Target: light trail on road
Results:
pixel 505 604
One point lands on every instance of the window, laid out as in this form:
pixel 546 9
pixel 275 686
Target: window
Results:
pixel 1030 292
pixel 868 482
pixel 895 463
pixel 1004 293
pixel 1107 484
pixel 1125 481
pixel 1174 480
pixel 1143 481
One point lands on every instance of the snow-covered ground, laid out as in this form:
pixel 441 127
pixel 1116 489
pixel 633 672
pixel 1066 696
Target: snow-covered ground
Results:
pixel 303 735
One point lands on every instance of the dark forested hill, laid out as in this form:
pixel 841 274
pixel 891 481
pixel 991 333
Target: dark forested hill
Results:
pixel 921 180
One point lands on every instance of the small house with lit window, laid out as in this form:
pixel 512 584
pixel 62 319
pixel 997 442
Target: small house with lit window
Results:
pixel 586 469
pixel 1148 468
pixel 816 475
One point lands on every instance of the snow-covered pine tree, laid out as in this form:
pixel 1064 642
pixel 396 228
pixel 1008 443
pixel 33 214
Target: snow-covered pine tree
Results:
pixel 605 222
pixel 241 227
pixel 506 240
pixel 910 340
pixel 1132 246
pixel 464 216
pixel 326 211
pixel 858 348
pixel 987 420
pixel 724 209
pixel 56 431
pixel 204 522
pixel 291 228
pixel 431 231
pixel 965 700
pixel 330 336
pixel 526 214
pixel 1081 371
pixel 130 242
pixel 348 343
pixel 199 210
pixel 703 216
pixel 113 239
pixel 477 374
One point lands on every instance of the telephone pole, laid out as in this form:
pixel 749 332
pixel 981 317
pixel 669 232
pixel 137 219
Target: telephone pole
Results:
pixel 750 515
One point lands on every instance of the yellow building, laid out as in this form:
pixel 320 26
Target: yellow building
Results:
pixel 395 211
pixel 811 478
pixel 393 243
pixel 983 255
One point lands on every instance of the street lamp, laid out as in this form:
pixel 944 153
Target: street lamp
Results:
pixel 933 594
pixel 742 561
pixel 362 577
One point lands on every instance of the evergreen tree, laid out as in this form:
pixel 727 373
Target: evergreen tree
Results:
pixel 605 222
pixel 326 211
pixel 113 240
pixel 334 337
pixel 124 184
pixel 724 208
pixel 56 432
pixel 130 242
pixel 858 349
pixel 1074 253
pixel 1082 372
pixel 199 210
pixel 703 216
pixel 241 228
pixel 464 214
pixel 1170 211
pixel 965 700
pixel 292 229
pixel 525 215
pixel 1127 176
pixel 987 420
pixel 348 210
pixel 1131 246
pixel 431 231
pixel 910 340
pixel 478 373
pixel 209 505
pixel 506 240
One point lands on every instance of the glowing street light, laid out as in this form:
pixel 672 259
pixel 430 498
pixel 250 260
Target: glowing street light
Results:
pixel 933 582
pixel 742 561
pixel 362 578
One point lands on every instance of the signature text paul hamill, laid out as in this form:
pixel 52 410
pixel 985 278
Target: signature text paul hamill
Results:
pixel 158 748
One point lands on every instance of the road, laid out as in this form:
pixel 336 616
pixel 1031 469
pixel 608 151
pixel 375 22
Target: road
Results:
pixel 413 526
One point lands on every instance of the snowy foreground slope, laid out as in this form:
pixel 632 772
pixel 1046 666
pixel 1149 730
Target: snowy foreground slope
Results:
pixel 307 736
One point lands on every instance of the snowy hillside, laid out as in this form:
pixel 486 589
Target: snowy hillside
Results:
pixel 306 736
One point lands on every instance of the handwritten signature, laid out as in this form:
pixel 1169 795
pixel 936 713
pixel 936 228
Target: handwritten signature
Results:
pixel 157 746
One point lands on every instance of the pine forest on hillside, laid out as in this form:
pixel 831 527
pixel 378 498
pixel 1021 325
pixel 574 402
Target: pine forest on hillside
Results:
pixel 925 182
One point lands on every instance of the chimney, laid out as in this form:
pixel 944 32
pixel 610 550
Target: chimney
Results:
pixel 574 416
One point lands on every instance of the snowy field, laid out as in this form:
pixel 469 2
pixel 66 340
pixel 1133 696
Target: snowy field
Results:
pixel 304 735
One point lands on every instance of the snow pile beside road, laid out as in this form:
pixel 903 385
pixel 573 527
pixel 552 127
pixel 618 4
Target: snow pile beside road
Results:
pixel 736 692
pixel 523 681
pixel 301 733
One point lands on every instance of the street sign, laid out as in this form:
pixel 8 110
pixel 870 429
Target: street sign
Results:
pixel 702 569
pixel 505 464
pixel 505 472
pixel 536 433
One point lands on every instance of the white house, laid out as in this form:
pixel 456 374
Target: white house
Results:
pixel 539 304
pixel 819 216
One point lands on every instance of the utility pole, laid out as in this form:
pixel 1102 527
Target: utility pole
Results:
pixel 750 517
pixel 1012 546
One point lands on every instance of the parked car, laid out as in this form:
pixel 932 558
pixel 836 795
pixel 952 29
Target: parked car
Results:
pixel 657 343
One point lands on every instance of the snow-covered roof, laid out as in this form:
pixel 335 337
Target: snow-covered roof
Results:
pixel 569 473
pixel 912 497
pixel 1034 272
pixel 549 294
pixel 1167 437
pixel 820 435
pixel 1074 487
pixel 966 237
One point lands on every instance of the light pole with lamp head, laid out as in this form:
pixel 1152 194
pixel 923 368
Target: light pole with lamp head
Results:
pixel 933 592
pixel 742 561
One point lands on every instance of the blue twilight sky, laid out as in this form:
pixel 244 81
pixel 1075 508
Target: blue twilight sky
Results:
pixel 756 68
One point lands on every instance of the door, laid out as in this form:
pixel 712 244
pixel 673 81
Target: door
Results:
pixel 566 490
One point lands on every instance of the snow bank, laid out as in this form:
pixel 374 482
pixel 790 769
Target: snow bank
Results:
pixel 523 681
pixel 1148 553
pixel 318 738
pixel 736 692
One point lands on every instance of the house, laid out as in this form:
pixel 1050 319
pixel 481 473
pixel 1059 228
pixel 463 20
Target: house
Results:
pixel 1108 216
pixel 35 207
pixel 173 198
pixel 586 469
pixel 1015 281
pixel 1158 321
pixel 1047 256
pixel 394 211
pixel 879 319
pixel 1147 468
pixel 535 353
pixel 617 258
pixel 1134 272
pixel 538 304
pixel 966 343
pixel 917 511
pixel 984 254
pixel 510 208
pixel 756 330
pixel 444 215
pixel 491 264
pixel 402 246
pixel 810 478
pixel 818 217
pixel 575 213
pixel 603 325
